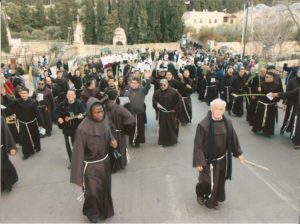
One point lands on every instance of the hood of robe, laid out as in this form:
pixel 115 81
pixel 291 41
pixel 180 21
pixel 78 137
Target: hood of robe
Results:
pixel 92 127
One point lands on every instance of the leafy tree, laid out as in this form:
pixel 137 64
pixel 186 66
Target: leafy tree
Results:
pixel 4 39
pixel 25 13
pixel 52 17
pixel 39 16
pixel 14 20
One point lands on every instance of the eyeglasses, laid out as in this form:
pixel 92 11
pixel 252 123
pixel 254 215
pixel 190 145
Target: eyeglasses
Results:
pixel 41 84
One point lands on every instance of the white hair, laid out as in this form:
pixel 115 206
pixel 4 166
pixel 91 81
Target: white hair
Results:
pixel 217 101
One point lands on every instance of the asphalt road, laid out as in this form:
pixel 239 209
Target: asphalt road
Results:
pixel 159 183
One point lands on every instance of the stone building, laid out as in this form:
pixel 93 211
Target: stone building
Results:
pixel 201 19
pixel 119 37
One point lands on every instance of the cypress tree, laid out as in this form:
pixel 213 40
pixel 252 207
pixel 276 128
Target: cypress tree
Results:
pixel 100 9
pixel 66 19
pixel 4 39
pixel 89 22
pixel 109 25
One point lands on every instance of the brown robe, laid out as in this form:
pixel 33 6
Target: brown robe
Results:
pixel 121 118
pixel 168 121
pixel 9 174
pixel 92 143
pixel 203 188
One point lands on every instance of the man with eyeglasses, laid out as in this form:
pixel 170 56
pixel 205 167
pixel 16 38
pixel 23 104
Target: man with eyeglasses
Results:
pixel 45 102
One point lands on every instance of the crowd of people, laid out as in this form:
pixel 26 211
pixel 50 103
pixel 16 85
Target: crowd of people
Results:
pixel 96 105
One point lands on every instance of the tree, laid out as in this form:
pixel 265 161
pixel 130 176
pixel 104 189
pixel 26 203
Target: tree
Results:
pixel 52 17
pixel 296 21
pixel 25 13
pixel 280 29
pixel 4 39
pixel 100 17
pixel 66 19
pixel 14 19
pixel 153 24
pixel 39 16
pixel 110 24
pixel 175 26
pixel 123 12
pixel 89 23
pixel 137 22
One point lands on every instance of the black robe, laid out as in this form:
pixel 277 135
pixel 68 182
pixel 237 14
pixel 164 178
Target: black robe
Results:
pixel 225 90
pixel 9 174
pixel 295 95
pixel 92 143
pixel 266 110
pixel 291 102
pixel 78 83
pixel 121 120
pixel 60 89
pixel 211 91
pixel 253 86
pixel 27 112
pixel 46 106
pixel 185 108
pixel 238 86
pixel 203 188
pixel 168 121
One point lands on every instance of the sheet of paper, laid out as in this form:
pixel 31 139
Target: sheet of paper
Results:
pixel 124 100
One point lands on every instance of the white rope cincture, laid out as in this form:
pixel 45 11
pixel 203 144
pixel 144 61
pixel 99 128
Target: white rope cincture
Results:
pixel 81 196
pixel 128 157
pixel 265 111
pixel 135 131
pixel 227 93
pixel 185 109
pixel 26 124
pixel 289 119
pixel 206 89
pixel 294 127
pixel 211 167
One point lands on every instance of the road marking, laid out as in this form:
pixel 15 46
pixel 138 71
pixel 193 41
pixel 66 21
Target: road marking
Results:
pixel 173 197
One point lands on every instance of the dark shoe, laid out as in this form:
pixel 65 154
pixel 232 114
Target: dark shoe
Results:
pixel 26 157
pixel 48 134
pixel 93 220
pixel 37 150
pixel 297 147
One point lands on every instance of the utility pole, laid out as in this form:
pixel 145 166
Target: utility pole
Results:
pixel 245 29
